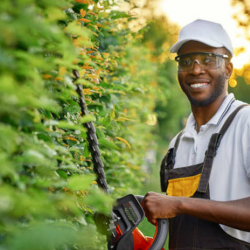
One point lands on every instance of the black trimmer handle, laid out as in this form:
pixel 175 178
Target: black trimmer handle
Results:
pixel 161 232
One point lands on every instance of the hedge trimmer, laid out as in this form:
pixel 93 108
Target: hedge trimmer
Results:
pixel 121 227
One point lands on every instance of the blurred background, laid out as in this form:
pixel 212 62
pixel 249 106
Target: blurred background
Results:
pixel 48 188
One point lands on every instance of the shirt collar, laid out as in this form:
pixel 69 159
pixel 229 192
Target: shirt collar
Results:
pixel 216 119
pixel 223 109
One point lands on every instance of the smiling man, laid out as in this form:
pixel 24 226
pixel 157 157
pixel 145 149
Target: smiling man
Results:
pixel 206 172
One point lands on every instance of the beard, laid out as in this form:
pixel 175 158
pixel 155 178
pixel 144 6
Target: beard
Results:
pixel 219 88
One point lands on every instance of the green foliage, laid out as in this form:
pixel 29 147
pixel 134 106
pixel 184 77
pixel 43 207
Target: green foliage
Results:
pixel 48 192
pixel 171 105
pixel 241 90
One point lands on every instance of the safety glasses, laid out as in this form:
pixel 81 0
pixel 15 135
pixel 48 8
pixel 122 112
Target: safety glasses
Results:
pixel 206 60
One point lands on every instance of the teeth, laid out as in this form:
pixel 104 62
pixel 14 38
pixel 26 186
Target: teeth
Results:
pixel 198 85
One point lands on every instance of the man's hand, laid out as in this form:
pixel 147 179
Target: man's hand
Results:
pixel 160 206
pixel 234 214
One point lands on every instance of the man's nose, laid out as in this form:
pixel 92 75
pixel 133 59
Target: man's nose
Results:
pixel 196 67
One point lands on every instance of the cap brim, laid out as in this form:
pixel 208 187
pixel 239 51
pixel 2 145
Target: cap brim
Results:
pixel 175 48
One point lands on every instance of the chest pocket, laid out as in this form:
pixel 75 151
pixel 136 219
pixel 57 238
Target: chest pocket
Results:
pixel 185 186
pixel 183 181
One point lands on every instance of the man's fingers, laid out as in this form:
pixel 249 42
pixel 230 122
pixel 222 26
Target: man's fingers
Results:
pixel 149 207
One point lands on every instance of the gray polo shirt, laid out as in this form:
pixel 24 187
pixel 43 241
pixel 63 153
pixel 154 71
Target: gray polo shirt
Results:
pixel 230 175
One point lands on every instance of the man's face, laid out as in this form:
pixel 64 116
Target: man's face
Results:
pixel 203 87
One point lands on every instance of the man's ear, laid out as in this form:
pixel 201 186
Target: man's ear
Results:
pixel 229 69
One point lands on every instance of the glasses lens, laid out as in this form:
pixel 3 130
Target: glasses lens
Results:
pixel 185 62
pixel 205 61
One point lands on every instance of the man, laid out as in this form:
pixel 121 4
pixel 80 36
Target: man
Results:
pixel 206 173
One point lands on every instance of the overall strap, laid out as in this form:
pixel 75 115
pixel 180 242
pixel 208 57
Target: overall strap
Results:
pixel 168 162
pixel 178 140
pixel 170 159
pixel 212 149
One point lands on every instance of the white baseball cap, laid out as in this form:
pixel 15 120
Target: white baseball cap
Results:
pixel 209 33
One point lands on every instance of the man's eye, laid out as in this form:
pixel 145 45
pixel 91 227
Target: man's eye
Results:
pixel 209 60
pixel 185 61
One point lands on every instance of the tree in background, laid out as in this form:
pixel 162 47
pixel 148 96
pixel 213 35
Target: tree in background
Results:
pixel 240 83
pixel 171 106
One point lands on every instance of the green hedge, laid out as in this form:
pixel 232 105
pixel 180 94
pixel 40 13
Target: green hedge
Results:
pixel 48 192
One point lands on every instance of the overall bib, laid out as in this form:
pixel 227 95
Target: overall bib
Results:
pixel 185 231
